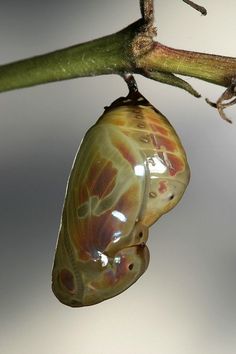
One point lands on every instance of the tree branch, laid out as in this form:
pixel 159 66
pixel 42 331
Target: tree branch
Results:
pixel 131 50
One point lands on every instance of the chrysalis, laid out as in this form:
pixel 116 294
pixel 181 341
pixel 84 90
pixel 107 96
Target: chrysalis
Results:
pixel 130 169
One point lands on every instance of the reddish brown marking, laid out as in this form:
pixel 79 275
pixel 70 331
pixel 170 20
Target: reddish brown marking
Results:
pixel 125 152
pixel 157 128
pixel 129 200
pixel 109 278
pixel 156 119
pixel 67 280
pixel 162 187
pixel 96 232
pixel 161 142
pixel 101 178
pixel 176 164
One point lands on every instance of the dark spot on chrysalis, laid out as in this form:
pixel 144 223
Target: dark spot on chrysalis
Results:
pixel 67 280
pixel 140 234
pixel 131 266
pixel 82 210
pixel 171 197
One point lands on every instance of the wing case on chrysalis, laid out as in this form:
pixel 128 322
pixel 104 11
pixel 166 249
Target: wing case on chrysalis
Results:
pixel 130 169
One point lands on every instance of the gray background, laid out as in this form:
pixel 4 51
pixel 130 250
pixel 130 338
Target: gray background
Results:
pixel 185 303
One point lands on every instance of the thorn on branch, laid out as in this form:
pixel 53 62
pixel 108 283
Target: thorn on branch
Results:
pixel 227 95
pixel 170 79
pixel 196 7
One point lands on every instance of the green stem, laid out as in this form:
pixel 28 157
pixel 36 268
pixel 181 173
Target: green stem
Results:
pixel 106 55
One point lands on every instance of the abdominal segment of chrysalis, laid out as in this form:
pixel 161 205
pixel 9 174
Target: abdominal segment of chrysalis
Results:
pixel 130 169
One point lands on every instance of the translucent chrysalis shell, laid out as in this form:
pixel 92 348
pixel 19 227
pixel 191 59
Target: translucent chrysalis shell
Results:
pixel 130 169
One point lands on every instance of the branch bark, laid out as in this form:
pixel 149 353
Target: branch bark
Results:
pixel 131 50
pixel 216 69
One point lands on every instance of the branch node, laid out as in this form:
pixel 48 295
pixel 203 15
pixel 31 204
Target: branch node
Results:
pixel 143 41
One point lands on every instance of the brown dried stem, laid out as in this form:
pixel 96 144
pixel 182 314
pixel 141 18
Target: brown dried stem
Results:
pixel 147 11
pixel 196 7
